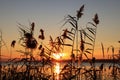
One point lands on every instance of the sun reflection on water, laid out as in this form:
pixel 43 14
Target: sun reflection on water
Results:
pixel 57 56
pixel 57 71
pixel 57 68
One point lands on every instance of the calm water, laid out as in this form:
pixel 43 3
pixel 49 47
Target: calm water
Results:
pixel 97 64
pixel 57 66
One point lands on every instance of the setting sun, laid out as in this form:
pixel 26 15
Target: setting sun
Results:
pixel 59 40
pixel 58 56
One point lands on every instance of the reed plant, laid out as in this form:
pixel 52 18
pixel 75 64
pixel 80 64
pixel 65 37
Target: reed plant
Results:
pixel 86 36
pixel 81 43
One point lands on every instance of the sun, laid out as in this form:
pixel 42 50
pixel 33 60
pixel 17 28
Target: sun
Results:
pixel 58 56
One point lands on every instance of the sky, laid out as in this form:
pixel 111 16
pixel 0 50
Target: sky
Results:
pixel 49 15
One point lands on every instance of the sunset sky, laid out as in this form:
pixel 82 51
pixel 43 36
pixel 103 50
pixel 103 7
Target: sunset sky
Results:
pixel 49 15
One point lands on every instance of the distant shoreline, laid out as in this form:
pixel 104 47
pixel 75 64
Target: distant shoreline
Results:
pixel 85 60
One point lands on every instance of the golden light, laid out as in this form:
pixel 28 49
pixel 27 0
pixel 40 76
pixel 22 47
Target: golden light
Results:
pixel 57 68
pixel 58 55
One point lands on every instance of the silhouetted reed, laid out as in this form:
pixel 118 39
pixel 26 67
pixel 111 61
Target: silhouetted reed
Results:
pixel 81 43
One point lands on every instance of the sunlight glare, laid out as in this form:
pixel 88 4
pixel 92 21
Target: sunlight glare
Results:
pixel 57 68
pixel 58 55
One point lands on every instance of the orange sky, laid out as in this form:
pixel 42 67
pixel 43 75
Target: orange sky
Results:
pixel 49 16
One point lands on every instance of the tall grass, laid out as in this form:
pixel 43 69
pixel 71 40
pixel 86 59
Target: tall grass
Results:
pixel 81 43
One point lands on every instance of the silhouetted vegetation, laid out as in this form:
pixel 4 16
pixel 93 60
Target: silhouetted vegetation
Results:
pixel 81 43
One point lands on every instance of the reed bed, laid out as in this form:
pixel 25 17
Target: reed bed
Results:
pixel 81 43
